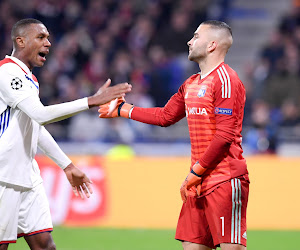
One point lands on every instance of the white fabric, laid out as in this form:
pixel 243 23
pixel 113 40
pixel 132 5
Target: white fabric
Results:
pixel 49 146
pixel 130 111
pixel 205 75
pixel 19 132
pixel 26 211
pixel 43 115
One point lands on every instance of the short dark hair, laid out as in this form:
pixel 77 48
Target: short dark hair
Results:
pixel 18 26
pixel 218 24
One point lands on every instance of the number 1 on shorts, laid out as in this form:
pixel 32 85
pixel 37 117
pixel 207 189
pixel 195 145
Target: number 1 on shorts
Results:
pixel 222 219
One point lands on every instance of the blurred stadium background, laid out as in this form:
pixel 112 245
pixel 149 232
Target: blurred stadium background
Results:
pixel 144 42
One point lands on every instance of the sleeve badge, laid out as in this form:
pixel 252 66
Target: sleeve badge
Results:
pixel 16 83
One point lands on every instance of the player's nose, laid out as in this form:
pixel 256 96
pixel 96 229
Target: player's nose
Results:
pixel 47 43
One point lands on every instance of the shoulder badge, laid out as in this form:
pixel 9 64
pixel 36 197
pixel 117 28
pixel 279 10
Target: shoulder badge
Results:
pixel 16 83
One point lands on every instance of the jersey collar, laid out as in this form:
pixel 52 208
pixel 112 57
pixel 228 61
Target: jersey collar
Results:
pixel 21 64
pixel 203 76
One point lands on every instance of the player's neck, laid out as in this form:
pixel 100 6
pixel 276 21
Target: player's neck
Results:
pixel 20 56
pixel 207 67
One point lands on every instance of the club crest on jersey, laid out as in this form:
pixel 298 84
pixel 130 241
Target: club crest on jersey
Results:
pixel 16 83
pixel 223 111
pixel 202 91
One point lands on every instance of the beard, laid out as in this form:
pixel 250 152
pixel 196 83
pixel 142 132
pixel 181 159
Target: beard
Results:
pixel 191 57
pixel 195 57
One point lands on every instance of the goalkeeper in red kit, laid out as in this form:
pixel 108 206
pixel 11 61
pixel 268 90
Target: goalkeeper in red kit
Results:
pixel 215 191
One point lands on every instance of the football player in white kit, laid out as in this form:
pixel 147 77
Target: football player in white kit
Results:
pixel 24 208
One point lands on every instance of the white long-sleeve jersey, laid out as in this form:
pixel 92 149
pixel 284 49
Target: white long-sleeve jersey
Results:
pixel 22 117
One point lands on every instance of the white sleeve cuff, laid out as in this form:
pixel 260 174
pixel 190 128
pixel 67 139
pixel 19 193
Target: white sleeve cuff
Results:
pixel 130 111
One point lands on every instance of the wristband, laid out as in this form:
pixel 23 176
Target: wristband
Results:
pixel 193 172
pixel 197 169
pixel 119 108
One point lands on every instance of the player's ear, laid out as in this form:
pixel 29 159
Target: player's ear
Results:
pixel 20 41
pixel 212 46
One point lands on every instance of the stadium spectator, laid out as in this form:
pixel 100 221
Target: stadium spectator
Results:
pixel 261 135
pixel 275 79
pixel 290 114
pixel 213 102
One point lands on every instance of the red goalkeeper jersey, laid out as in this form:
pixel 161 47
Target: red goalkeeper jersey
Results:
pixel 214 108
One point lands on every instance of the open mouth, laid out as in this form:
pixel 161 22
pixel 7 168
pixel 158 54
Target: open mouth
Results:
pixel 42 54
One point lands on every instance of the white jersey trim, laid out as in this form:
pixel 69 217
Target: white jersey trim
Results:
pixel 236 211
pixel 225 80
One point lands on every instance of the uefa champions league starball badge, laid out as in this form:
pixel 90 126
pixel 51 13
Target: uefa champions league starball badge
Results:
pixel 16 83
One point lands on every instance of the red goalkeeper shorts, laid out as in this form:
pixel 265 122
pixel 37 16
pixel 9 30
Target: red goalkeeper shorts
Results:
pixel 219 217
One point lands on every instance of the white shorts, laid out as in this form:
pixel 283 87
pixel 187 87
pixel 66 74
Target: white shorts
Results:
pixel 23 211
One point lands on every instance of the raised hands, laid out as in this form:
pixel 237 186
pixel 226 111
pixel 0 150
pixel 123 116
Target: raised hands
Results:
pixel 106 93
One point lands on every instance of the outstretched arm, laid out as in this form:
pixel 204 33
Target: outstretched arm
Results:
pixel 171 113
pixel 79 181
pixel 33 107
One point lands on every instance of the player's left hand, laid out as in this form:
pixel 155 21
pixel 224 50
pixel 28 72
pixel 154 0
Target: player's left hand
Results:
pixel 80 183
pixel 183 191
pixel 193 191
pixel 192 182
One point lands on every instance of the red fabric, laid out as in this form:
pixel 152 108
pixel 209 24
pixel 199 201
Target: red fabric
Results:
pixel 36 232
pixel 173 112
pixel 7 241
pixel 214 107
pixel 8 60
pixel 219 217
pixel 34 78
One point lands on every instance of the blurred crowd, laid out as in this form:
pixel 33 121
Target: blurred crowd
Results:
pixel 273 95
pixel 144 42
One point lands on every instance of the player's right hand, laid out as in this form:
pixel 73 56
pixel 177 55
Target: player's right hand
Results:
pixel 110 109
pixel 115 108
pixel 106 93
